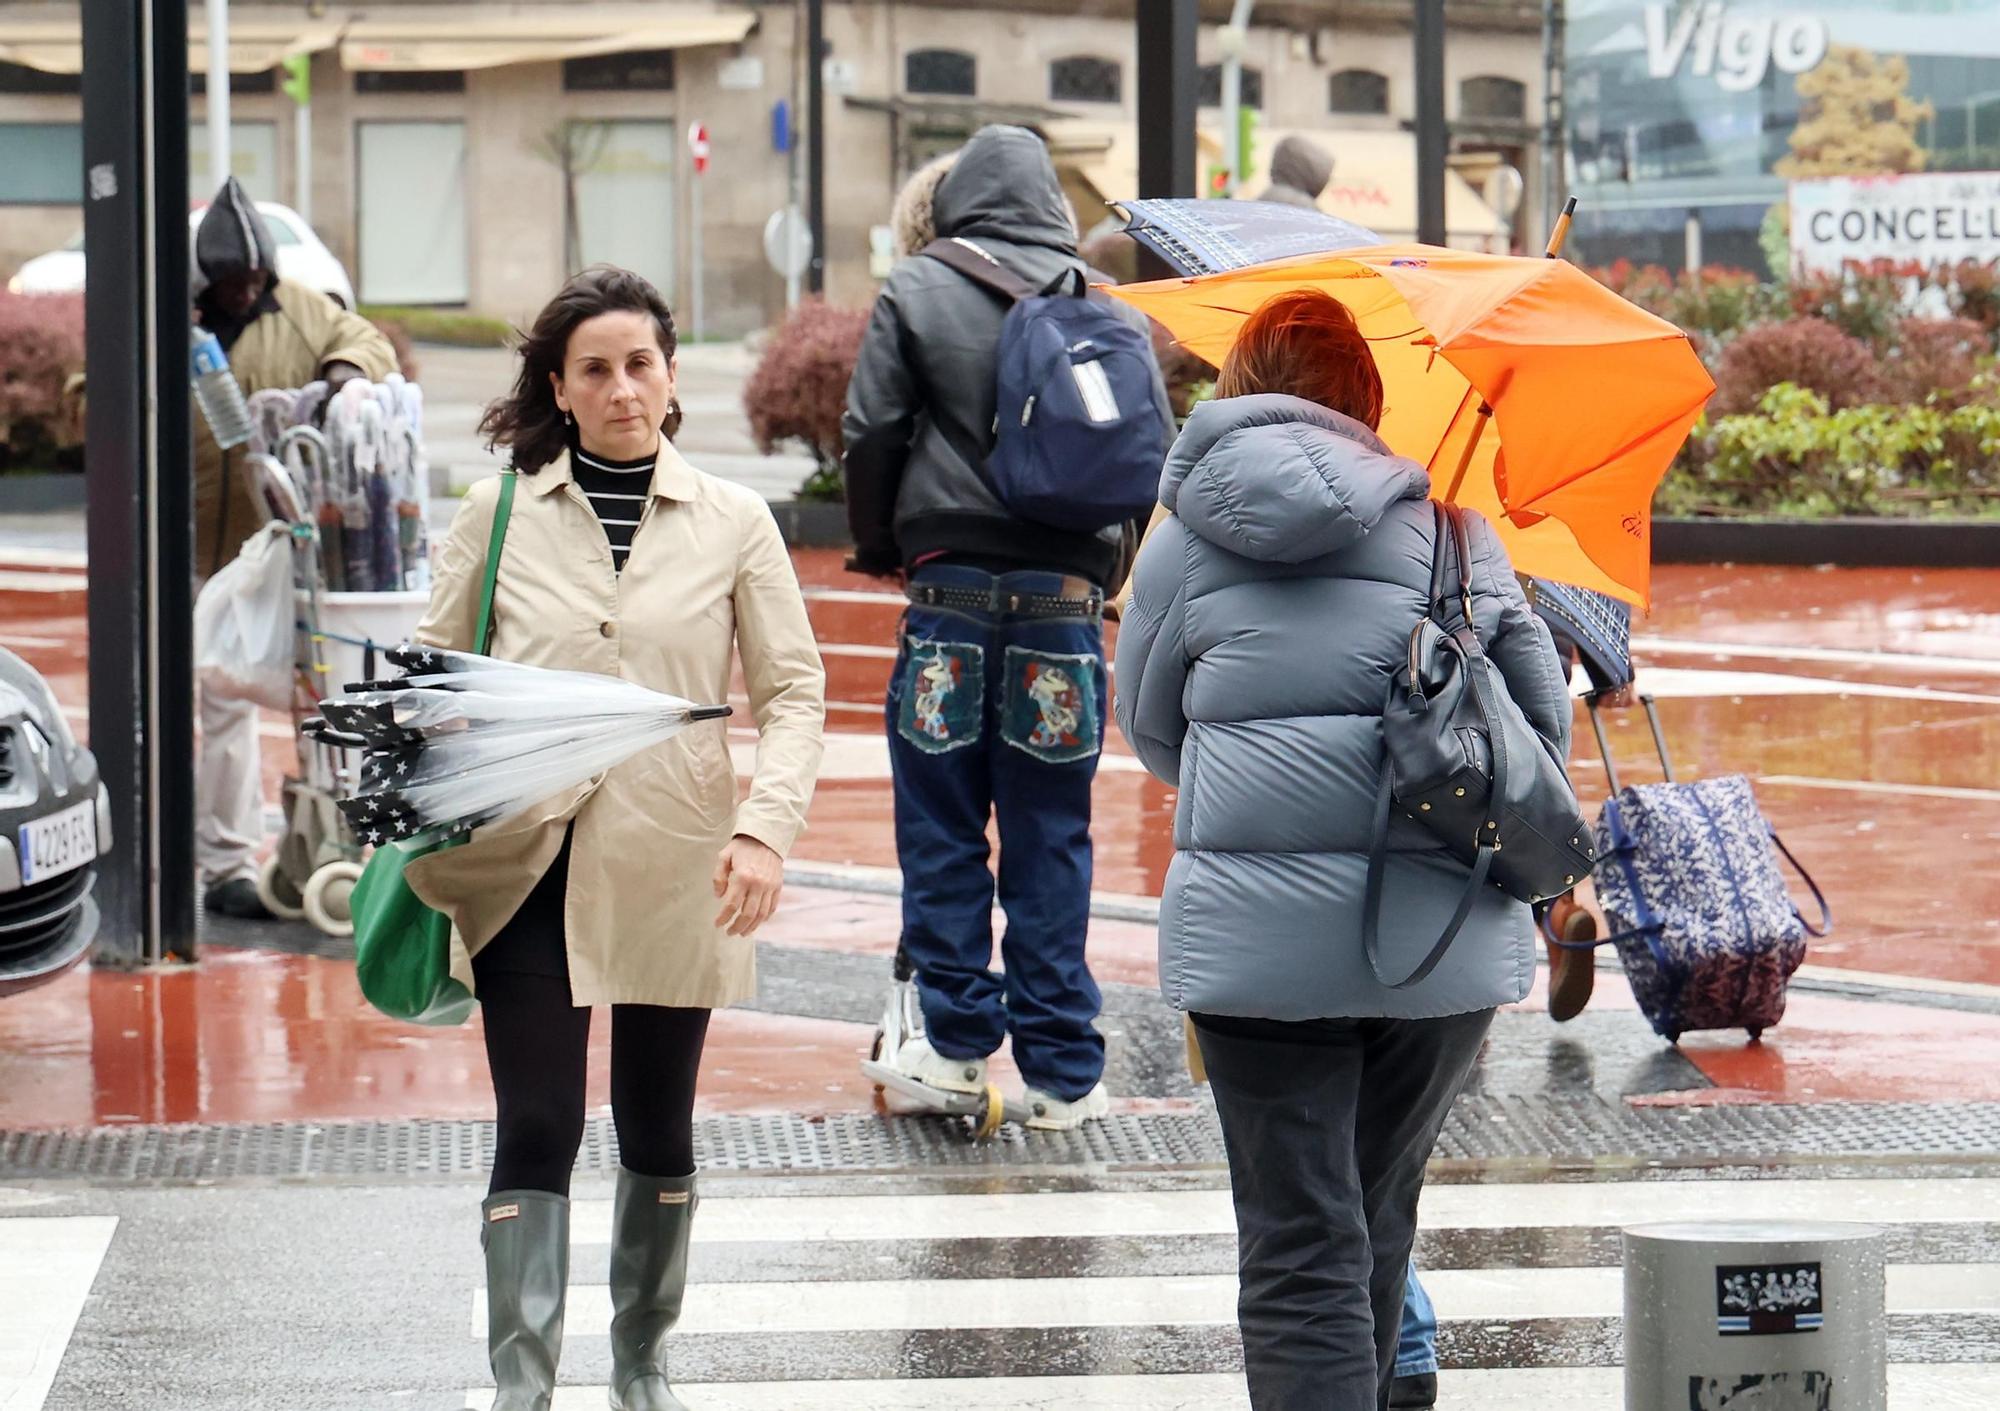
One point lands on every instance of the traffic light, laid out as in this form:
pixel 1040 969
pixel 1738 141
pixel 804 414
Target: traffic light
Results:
pixel 1246 141
pixel 298 79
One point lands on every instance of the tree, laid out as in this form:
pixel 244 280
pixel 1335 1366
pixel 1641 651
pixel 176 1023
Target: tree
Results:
pixel 1856 118
pixel 573 147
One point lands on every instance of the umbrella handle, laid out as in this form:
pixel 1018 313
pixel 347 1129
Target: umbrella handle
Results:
pixel 1560 235
pixel 1483 416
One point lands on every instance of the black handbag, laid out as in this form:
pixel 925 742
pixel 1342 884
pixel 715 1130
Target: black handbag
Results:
pixel 1462 759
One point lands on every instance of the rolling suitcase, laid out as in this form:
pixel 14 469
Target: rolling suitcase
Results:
pixel 1689 880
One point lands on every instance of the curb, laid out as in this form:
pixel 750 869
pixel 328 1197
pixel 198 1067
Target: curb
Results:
pixel 1850 543
pixel 812 524
pixel 39 494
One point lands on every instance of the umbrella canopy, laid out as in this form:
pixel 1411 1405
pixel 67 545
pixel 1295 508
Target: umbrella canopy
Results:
pixel 1208 237
pixel 1531 392
pixel 1600 626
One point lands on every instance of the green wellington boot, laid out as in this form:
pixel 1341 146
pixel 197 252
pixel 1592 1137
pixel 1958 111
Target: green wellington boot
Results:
pixel 526 1238
pixel 649 1264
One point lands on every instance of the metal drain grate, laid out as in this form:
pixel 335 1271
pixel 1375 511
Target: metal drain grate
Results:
pixel 1481 1128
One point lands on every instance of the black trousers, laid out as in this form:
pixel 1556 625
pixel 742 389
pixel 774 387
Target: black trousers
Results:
pixel 1327 1125
pixel 538 1049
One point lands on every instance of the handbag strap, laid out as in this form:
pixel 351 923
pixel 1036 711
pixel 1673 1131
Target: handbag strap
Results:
pixel 1371 906
pixel 495 542
pixel 1825 911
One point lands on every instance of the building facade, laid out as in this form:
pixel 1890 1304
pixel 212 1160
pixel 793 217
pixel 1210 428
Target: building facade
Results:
pixel 468 155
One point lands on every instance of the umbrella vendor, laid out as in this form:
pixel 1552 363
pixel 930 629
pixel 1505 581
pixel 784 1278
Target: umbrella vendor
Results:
pixel 277 333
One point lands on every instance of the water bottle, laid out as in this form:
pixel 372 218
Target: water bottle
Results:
pixel 216 389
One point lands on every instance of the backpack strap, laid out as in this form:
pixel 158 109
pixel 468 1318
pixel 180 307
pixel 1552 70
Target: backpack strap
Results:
pixel 981 268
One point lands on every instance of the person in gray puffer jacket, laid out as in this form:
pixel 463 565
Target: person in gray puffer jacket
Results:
pixel 1269 616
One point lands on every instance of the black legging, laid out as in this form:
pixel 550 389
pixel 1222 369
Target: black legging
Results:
pixel 537 1046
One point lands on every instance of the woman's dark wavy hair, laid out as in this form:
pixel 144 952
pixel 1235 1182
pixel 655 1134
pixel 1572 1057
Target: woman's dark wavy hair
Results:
pixel 527 420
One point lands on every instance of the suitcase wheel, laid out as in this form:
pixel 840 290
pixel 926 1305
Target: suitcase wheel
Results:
pixel 1756 1034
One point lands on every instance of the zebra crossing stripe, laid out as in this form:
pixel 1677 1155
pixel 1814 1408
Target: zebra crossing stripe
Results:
pixel 808 1218
pixel 50 1264
pixel 1112 1301
pixel 1911 1388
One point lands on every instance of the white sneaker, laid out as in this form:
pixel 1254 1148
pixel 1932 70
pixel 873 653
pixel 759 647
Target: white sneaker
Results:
pixel 917 1059
pixel 1052 1114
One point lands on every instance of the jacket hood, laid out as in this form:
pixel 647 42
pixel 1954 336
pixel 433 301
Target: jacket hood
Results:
pixel 232 237
pixel 1004 185
pixel 1283 480
pixel 911 217
pixel 1302 165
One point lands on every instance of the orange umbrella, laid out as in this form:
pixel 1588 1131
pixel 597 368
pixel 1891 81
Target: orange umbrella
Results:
pixel 1589 397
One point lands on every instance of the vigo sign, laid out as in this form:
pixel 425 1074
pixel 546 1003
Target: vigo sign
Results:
pixel 1738 49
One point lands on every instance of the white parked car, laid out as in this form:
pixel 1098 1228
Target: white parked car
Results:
pixel 302 256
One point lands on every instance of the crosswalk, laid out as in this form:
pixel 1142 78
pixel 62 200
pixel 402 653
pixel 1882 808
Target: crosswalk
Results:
pixel 47 1267
pixel 1123 1298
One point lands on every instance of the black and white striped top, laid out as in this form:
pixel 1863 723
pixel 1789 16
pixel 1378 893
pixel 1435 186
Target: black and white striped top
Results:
pixel 618 491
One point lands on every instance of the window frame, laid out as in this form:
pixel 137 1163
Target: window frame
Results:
pixel 9 134
pixel 1376 75
pixel 1075 63
pixel 970 59
pixel 1496 83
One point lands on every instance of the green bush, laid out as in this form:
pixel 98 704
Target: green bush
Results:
pixel 453 327
pixel 1797 456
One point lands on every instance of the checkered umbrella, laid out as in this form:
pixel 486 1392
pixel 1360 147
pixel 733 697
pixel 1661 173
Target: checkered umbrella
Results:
pixel 1208 237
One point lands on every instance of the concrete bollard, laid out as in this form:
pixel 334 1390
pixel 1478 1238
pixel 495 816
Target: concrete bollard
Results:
pixel 1725 1315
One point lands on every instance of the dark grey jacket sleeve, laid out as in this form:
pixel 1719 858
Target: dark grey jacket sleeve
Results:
pixel 1521 645
pixel 877 431
pixel 1152 654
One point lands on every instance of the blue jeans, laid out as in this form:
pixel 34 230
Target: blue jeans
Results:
pixel 1417 1346
pixel 999 718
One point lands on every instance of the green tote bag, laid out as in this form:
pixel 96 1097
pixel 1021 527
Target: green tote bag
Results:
pixel 402 948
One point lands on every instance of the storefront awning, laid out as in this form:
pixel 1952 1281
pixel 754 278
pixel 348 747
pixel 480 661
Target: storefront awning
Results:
pixel 412 37
pixel 50 37
pixel 1374 176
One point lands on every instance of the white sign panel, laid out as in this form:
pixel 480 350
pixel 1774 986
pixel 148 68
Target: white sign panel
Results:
pixel 1930 218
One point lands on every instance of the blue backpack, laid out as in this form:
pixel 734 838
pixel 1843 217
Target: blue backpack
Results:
pixel 1079 439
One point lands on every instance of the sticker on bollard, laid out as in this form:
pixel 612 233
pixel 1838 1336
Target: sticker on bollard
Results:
pixel 1779 1391
pixel 1756 1301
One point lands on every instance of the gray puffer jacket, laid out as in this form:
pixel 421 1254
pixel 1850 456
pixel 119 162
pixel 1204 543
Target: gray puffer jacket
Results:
pixel 1269 615
pixel 919 420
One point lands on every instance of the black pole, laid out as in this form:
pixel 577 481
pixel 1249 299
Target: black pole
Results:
pixel 1433 141
pixel 816 143
pixel 137 455
pixel 1167 84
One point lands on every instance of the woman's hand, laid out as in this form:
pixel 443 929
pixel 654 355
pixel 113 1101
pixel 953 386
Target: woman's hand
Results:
pixel 748 878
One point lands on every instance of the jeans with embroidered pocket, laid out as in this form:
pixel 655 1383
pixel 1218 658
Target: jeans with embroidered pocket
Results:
pixel 1000 718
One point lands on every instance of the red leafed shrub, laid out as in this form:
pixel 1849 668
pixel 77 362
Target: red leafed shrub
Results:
pixel 799 388
pixel 41 356
pixel 1809 352
pixel 1934 355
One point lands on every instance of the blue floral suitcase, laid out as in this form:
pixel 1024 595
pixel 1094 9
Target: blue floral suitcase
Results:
pixel 1689 880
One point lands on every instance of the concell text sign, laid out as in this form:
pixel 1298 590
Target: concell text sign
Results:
pixel 1930 218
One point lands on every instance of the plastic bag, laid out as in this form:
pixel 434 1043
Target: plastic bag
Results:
pixel 245 624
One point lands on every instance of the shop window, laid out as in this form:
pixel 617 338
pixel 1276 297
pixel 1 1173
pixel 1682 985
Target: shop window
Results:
pixel 949 73
pixel 19 78
pixel 410 81
pixel 1493 99
pixel 1084 79
pixel 1357 91
pixel 641 71
pixel 1251 94
pixel 44 165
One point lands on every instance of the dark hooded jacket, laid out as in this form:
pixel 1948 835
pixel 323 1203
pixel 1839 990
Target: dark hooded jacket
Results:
pixel 1300 170
pixel 919 421
pixel 233 239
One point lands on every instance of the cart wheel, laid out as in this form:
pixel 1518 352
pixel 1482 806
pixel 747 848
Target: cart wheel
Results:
pixel 327 894
pixel 1756 1035
pixel 276 891
pixel 990 1116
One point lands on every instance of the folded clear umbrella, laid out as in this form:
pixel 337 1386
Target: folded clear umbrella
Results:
pixel 462 740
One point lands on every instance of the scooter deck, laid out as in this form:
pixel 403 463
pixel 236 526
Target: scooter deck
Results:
pixel 987 1109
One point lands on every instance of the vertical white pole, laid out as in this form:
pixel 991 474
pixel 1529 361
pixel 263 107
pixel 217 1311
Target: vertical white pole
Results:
pixel 1693 241
pixel 218 95
pixel 302 126
pixel 695 300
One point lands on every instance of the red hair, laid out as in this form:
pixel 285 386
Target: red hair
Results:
pixel 1305 344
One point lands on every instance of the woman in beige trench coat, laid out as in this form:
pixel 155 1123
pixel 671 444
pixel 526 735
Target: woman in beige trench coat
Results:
pixel 642 889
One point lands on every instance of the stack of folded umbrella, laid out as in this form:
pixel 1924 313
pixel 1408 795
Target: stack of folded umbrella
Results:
pixel 461 740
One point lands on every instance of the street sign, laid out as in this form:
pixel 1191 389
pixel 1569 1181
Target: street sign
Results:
pixel 698 145
pixel 788 242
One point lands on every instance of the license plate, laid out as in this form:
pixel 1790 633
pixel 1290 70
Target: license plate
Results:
pixel 60 843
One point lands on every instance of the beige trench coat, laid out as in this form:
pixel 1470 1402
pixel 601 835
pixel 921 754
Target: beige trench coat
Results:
pixel 708 572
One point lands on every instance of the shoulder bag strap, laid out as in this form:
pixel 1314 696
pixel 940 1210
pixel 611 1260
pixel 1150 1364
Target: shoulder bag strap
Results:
pixel 495 542
pixel 981 268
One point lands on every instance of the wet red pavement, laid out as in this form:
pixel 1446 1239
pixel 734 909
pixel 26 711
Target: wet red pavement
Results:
pixel 1813 682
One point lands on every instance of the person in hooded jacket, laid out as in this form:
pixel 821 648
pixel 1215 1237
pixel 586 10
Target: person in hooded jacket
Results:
pixel 996 706
pixel 1300 170
pixel 277 333
pixel 1270 614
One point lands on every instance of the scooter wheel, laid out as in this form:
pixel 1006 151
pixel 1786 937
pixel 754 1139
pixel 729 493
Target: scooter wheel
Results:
pixel 992 1115
pixel 276 891
pixel 328 895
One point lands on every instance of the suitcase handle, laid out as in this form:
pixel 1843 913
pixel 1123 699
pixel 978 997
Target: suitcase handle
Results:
pixel 1825 911
pixel 1604 743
